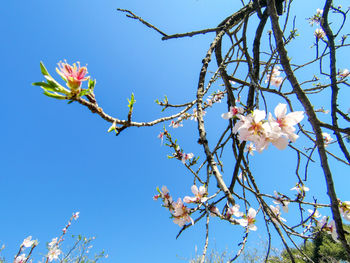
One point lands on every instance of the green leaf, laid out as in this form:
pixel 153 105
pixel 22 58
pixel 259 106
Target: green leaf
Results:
pixel 132 101
pixel 91 84
pixel 42 84
pixel 54 95
pixel 43 69
pixel 84 92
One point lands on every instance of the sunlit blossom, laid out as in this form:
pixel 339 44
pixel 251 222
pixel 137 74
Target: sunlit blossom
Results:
pixel 176 124
pixel 186 156
pixel 232 113
pixel 234 211
pixel 76 215
pixel 181 214
pixel 214 211
pixel 53 242
pixel 344 73
pixel 20 259
pixel 53 253
pixel 73 75
pixel 28 242
pixel 319 33
pixel 195 115
pixel 250 148
pixel 301 189
pixel 248 220
pixel 199 195
pixel 277 212
pixel 314 213
pixel 326 138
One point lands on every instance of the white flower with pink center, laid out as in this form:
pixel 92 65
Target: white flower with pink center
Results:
pixel 199 195
pixel 284 123
pixel 181 214
pixel 326 138
pixel 186 156
pixel 234 211
pixel 234 111
pixel 319 33
pixel 248 220
pixel 53 253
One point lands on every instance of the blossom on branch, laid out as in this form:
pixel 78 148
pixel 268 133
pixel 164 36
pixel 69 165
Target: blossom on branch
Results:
pixel 199 195
pixel 344 73
pixel 232 113
pixel 181 214
pixel 28 242
pixel 248 220
pixel 20 259
pixel 326 138
pixel 280 201
pixel 319 33
pixel 72 75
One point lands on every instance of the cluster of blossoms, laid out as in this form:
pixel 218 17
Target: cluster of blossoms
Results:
pixel 216 97
pixel 53 246
pixel 274 78
pixel 181 213
pixel 316 19
pixel 328 227
pixel 278 131
pixel 178 210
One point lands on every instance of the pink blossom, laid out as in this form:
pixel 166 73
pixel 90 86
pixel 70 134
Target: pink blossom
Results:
pixel 274 79
pixel 234 211
pixel 73 75
pixel 199 195
pixel 161 137
pixel 248 220
pixel 232 113
pixel 329 228
pixel 53 242
pixel 186 156
pixel 301 189
pixel 176 124
pixel 181 214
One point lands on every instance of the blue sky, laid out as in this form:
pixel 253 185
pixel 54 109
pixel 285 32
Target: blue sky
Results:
pixel 58 158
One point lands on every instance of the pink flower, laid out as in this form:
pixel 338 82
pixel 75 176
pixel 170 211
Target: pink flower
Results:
pixel 176 124
pixel 161 137
pixel 186 156
pixel 199 195
pixel 167 199
pixel 248 221
pixel 181 214
pixel 232 113
pixel 274 78
pixel 195 114
pixel 214 211
pixel 73 75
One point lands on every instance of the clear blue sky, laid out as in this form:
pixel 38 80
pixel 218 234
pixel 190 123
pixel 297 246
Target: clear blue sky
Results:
pixel 57 158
